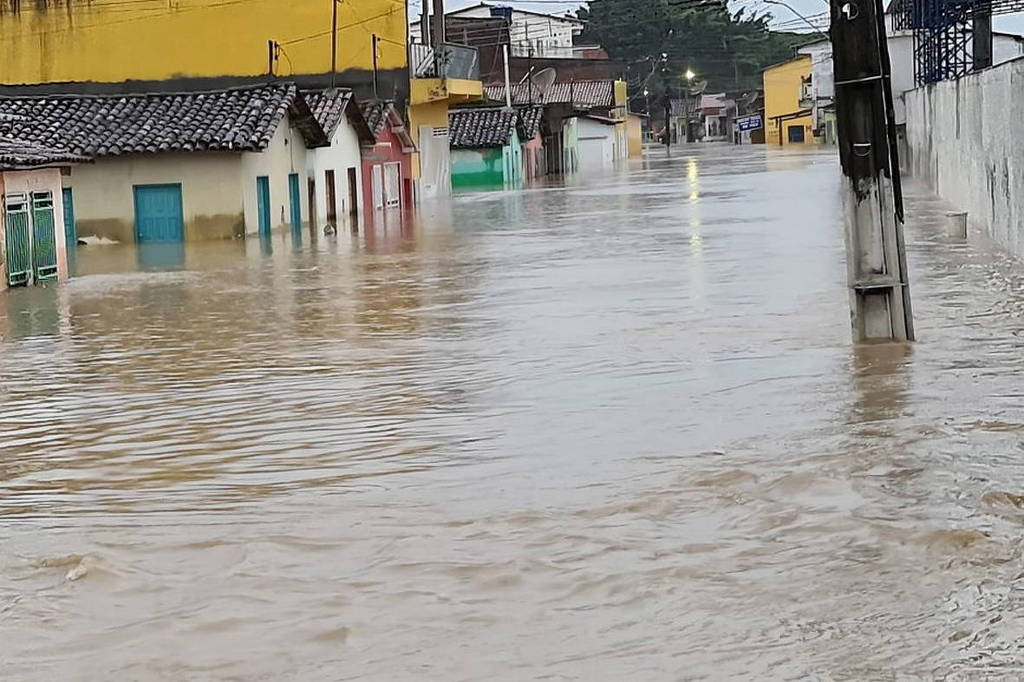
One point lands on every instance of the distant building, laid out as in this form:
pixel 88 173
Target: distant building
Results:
pixel 819 94
pixel 531 34
pixel 787 117
pixel 33 236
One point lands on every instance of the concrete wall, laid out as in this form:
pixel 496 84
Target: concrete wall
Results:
pixel 344 153
pixel 34 181
pixel 965 140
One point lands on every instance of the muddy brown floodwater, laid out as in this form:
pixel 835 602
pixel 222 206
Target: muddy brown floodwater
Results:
pixel 609 431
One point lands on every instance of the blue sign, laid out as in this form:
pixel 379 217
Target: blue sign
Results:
pixel 752 122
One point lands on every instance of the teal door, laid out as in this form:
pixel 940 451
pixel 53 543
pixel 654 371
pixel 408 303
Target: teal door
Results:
pixel 263 204
pixel 18 239
pixel 295 199
pixel 70 233
pixel 158 214
pixel 44 237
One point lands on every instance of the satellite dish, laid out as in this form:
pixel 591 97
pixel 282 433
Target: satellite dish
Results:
pixel 698 88
pixel 543 80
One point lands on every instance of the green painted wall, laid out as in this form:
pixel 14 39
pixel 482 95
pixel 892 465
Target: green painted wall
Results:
pixel 490 167
pixel 478 167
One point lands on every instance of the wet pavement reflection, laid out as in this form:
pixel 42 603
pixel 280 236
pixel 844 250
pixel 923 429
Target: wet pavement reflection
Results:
pixel 612 429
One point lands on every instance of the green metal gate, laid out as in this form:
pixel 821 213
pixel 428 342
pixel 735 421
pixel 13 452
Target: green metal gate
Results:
pixel 18 239
pixel 44 240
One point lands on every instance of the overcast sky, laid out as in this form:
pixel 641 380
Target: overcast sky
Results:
pixel 815 10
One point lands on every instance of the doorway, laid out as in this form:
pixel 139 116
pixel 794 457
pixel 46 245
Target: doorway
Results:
pixel 795 134
pixel 332 198
pixel 353 192
pixel 158 214
pixel 393 185
pixel 263 204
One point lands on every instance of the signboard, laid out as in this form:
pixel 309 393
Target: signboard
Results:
pixel 752 122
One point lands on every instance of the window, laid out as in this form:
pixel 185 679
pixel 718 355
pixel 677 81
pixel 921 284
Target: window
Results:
pixel 795 134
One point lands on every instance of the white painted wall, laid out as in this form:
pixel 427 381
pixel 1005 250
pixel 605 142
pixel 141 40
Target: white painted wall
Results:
pixel 286 154
pixel 344 153
pixel 596 144
pixel 965 140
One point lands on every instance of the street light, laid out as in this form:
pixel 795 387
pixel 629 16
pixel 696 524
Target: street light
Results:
pixel 690 75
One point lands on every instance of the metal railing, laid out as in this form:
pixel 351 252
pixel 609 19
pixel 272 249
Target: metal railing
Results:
pixel 450 61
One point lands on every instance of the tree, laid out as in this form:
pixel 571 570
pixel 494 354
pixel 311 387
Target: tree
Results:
pixel 661 39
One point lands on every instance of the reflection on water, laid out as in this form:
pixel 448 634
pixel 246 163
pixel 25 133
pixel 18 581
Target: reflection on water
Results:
pixel 609 428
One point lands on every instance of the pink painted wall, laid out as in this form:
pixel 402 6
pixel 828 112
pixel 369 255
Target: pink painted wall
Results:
pixel 34 181
pixel 533 157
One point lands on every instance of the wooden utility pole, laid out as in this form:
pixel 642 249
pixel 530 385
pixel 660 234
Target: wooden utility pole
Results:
pixel 334 42
pixel 873 199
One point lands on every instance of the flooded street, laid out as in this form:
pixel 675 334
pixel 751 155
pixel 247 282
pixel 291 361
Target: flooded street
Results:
pixel 609 431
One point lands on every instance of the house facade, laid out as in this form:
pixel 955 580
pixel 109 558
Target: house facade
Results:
pixel 173 167
pixel 334 186
pixel 787 121
pixel 387 173
pixel 33 236
pixel 486 149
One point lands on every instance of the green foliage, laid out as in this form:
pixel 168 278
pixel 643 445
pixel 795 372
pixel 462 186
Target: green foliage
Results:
pixel 661 39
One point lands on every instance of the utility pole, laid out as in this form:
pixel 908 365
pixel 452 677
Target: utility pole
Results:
pixel 873 200
pixel 373 44
pixel 334 42
pixel 981 35
pixel 437 37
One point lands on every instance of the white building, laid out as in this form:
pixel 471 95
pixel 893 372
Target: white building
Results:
pixel 532 34
pixel 821 92
pixel 335 172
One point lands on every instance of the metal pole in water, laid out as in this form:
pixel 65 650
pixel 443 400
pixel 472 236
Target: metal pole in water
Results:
pixel 873 199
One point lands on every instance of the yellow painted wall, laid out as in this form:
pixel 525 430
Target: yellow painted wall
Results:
pixel 635 134
pixel 782 96
pixel 118 40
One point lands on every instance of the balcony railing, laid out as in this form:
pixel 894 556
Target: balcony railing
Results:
pixel 450 61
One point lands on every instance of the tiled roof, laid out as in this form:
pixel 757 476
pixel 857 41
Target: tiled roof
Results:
pixel 331 107
pixel 528 124
pixel 239 119
pixel 687 106
pixel 16 153
pixel 328 106
pixel 481 127
pixel 585 94
pixel 375 111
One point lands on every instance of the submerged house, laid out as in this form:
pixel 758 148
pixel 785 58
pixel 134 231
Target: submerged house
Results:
pixel 33 236
pixel 564 103
pixel 387 161
pixel 335 183
pixel 486 149
pixel 171 167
